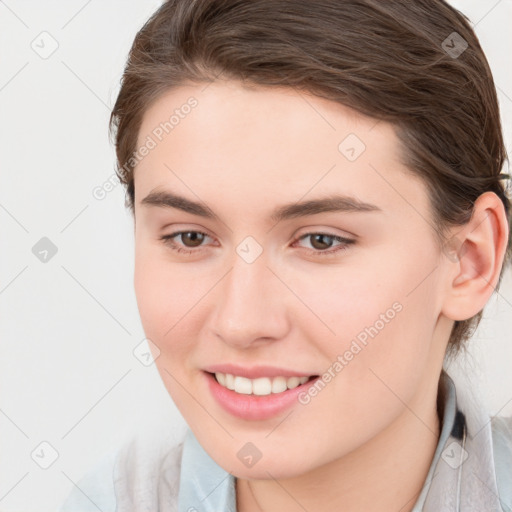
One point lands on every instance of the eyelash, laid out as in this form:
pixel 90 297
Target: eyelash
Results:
pixel 167 240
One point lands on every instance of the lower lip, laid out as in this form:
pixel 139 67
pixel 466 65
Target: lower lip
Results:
pixel 255 407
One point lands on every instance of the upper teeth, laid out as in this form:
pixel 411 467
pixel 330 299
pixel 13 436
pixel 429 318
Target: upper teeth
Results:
pixel 261 386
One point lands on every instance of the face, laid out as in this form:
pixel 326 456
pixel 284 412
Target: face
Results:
pixel 347 294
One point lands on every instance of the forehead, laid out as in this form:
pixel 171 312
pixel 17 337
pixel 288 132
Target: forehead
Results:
pixel 267 145
pixel 224 107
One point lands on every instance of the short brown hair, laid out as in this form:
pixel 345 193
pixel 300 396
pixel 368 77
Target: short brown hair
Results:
pixel 417 65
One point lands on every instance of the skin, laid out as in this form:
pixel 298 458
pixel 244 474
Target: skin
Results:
pixel 366 441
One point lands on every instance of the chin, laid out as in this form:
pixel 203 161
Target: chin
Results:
pixel 270 465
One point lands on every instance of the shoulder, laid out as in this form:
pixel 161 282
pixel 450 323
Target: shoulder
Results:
pixel 147 474
pixel 502 451
pixel 502 430
pixel 95 490
pixel 138 475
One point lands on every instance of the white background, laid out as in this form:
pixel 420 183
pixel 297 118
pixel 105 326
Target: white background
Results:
pixel 68 327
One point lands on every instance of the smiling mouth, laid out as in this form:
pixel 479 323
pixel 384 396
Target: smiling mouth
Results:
pixel 261 386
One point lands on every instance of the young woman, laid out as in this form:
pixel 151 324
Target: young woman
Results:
pixel 320 218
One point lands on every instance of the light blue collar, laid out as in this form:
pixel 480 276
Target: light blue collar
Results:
pixel 451 431
pixel 204 485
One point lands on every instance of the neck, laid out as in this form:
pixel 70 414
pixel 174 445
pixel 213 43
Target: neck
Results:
pixel 387 473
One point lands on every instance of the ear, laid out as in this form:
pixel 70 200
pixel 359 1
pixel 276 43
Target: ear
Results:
pixel 480 247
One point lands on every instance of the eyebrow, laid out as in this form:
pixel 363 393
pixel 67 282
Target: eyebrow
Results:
pixel 331 203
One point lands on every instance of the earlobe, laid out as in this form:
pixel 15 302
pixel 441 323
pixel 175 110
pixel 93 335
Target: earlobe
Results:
pixel 481 246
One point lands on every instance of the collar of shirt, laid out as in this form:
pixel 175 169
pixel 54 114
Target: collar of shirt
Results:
pixel 461 476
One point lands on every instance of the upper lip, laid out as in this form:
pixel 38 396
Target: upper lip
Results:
pixel 255 372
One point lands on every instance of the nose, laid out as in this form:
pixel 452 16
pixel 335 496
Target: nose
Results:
pixel 252 305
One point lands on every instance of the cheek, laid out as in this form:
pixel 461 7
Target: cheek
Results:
pixel 162 301
pixel 171 298
pixel 363 299
pixel 378 314
pixel 384 333
pixel 163 290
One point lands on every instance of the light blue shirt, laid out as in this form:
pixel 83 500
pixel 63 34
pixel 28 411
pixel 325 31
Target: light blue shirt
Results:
pixel 471 471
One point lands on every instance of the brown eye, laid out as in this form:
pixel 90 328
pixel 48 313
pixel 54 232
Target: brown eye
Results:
pixel 322 243
pixel 194 237
pixel 318 241
pixel 191 241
